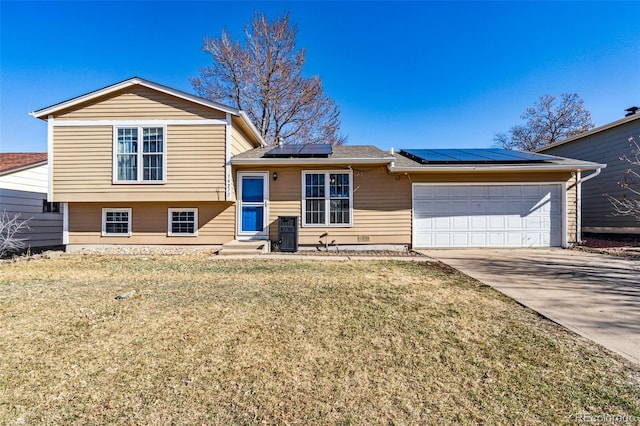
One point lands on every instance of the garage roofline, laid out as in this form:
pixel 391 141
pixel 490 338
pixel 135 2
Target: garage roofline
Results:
pixel 502 167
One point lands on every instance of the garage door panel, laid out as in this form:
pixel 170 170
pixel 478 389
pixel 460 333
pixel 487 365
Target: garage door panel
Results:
pixel 487 215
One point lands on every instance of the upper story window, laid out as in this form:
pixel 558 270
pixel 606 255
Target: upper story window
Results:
pixel 327 199
pixel 139 154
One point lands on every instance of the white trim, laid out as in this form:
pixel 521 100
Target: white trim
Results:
pixel 50 124
pixel 252 127
pixel 579 207
pixel 264 234
pixel 227 159
pixel 104 222
pixel 154 86
pixel 309 161
pixel 65 223
pixel 140 155
pixel 129 83
pixel 170 221
pixel 504 168
pixel 563 200
pixel 565 214
pixel 156 123
pixel 327 199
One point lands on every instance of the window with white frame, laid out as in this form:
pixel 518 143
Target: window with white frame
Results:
pixel 327 198
pixel 139 154
pixel 116 222
pixel 183 222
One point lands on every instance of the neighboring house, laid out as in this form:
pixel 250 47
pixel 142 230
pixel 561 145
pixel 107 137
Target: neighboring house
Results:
pixel 604 144
pixel 23 192
pixel 141 163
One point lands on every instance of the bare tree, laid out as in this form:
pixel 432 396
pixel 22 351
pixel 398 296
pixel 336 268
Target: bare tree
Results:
pixel 262 75
pixel 629 204
pixel 547 121
pixel 11 228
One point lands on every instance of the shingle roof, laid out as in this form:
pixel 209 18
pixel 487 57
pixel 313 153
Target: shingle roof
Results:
pixel 345 152
pixel 403 162
pixel 14 161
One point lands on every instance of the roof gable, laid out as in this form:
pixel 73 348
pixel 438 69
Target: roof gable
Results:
pixel 135 81
pixel 580 136
pixel 11 162
pixel 138 102
pixel 130 85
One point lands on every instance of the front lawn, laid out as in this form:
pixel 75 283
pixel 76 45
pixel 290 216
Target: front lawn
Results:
pixel 211 341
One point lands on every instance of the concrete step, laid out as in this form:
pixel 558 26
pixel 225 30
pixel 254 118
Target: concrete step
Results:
pixel 236 247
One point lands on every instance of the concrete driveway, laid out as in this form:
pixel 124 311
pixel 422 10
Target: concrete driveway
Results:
pixel 594 295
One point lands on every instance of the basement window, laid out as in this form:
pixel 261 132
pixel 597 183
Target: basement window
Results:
pixel 116 222
pixel 183 222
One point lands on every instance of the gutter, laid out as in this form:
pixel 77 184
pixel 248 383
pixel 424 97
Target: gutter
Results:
pixel 505 168
pixel 579 181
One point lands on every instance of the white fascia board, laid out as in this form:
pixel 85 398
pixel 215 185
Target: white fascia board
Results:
pixel 128 83
pixel 501 168
pixel 308 161
pixel 196 122
pixel 243 115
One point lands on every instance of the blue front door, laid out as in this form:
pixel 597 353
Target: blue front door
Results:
pixel 252 211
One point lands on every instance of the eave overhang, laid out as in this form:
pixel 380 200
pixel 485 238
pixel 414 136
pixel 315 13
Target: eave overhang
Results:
pixel 308 161
pixel 498 168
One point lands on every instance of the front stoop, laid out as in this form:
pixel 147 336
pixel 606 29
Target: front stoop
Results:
pixel 236 247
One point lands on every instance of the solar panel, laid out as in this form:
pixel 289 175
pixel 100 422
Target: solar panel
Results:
pixel 472 156
pixel 316 149
pixel 308 150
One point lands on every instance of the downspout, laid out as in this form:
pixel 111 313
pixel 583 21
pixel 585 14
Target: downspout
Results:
pixel 579 181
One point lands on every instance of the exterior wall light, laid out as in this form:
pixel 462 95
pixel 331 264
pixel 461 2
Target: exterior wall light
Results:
pixel 275 175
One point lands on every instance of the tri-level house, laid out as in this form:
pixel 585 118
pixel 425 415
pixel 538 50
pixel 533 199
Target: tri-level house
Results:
pixel 139 163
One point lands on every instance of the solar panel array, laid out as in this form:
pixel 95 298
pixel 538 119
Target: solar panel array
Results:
pixel 472 156
pixel 307 150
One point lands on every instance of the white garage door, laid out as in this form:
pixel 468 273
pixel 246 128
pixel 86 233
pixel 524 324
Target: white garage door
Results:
pixel 487 215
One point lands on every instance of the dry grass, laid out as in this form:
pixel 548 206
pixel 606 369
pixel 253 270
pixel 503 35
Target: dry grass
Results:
pixel 293 342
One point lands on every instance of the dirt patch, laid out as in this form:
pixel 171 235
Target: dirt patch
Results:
pixel 627 246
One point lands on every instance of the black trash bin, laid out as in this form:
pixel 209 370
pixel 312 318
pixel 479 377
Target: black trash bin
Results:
pixel 288 233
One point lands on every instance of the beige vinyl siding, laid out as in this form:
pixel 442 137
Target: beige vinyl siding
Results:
pixel 138 102
pixel 382 201
pixel 239 142
pixel 381 206
pixel 216 223
pixel 83 166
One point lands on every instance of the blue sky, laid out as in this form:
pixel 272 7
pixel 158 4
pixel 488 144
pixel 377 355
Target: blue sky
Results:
pixel 405 75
